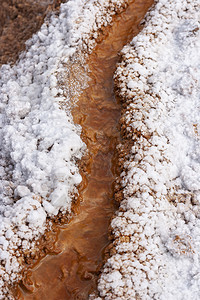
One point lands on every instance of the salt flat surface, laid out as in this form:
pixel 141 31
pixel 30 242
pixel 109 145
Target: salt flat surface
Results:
pixel 40 144
pixel 156 253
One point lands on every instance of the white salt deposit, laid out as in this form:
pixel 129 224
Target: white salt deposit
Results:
pixel 157 230
pixel 39 142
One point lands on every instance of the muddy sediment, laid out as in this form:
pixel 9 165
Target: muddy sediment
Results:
pixel 73 273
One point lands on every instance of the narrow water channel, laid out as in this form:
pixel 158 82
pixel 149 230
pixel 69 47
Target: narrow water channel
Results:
pixel 73 273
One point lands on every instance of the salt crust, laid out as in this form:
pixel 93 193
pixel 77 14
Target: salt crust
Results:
pixel 156 232
pixel 40 144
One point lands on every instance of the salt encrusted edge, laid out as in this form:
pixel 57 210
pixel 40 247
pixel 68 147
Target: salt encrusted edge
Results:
pixel 170 209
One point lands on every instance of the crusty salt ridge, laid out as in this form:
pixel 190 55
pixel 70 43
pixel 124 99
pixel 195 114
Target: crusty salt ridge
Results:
pixel 40 143
pixel 156 232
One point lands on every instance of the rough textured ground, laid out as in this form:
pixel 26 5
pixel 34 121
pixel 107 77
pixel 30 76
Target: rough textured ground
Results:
pixel 19 19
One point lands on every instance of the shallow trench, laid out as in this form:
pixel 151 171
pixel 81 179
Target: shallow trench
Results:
pixel 73 273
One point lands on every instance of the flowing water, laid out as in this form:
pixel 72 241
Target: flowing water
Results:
pixel 73 273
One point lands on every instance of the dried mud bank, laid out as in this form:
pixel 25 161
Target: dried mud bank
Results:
pixel 155 233
pixel 19 20
pixel 39 172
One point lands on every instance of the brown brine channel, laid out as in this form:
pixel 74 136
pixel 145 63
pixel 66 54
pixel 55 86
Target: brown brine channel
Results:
pixel 73 273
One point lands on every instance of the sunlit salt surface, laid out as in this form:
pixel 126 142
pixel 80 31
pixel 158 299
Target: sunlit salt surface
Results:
pixel 156 240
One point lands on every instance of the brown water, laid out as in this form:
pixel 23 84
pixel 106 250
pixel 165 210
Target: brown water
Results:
pixel 73 273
